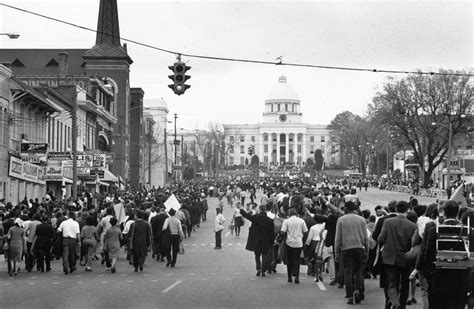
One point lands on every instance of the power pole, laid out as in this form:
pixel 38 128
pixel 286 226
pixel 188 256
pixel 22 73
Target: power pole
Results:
pixel 149 152
pixel 74 144
pixel 195 158
pixel 166 158
pixel 182 157
pixel 175 146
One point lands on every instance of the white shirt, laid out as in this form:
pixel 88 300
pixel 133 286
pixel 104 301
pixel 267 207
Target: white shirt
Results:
pixel 295 228
pixel 314 232
pixel 219 223
pixel 70 228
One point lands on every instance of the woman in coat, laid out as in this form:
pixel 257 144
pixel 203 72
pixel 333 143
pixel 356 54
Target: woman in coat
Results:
pixel 89 236
pixel 16 241
pixel 141 241
pixel 112 239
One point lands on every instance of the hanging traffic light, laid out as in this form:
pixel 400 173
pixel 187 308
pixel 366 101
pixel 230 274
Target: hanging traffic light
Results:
pixel 179 77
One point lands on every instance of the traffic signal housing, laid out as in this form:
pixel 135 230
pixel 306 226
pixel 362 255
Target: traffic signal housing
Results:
pixel 179 77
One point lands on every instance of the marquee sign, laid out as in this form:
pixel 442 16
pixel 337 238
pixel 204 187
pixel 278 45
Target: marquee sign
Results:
pixel 26 171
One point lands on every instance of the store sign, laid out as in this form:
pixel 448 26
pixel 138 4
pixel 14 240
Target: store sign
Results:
pixel 54 173
pixel 97 172
pixel 465 154
pixel 59 155
pixel 28 148
pixel 26 171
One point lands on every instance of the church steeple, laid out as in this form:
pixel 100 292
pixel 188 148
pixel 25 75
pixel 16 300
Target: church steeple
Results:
pixel 108 25
pixel 107 43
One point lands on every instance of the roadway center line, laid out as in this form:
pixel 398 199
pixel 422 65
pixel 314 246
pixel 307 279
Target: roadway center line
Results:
pixel 171 287
pixel 321 286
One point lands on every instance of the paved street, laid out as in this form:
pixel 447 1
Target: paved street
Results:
pixel 203 278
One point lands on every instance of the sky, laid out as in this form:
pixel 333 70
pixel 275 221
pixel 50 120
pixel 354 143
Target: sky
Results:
pixel 401 35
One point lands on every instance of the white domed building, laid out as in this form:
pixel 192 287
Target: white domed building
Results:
pixel 281 137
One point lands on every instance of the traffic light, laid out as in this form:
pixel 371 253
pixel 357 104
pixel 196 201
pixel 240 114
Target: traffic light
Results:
pixel 179 77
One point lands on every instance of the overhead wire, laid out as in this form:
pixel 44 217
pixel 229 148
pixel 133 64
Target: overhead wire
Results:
pixel 198 56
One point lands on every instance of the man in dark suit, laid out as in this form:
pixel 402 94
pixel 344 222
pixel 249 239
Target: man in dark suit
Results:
pixel 396 241
pixel 260 238
pixel 392 208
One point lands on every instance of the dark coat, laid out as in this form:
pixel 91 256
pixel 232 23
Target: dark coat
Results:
pixel 260 232
pixel 157 224
pixel 396 238
pixel 44 237
pixel 141 237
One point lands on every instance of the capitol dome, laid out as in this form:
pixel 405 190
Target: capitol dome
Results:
pixel 282 92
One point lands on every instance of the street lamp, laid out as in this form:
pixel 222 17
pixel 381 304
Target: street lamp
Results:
pixel 12 36
pixel 449 126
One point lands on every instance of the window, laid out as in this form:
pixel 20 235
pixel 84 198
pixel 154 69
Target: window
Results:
pixel 265 148
pixel 311 139
pixel 299 159
pixel 231 160
pixel 322 149
pixel 311 148
pixel 242 161
pixel 286 107
pixel 242 149
pixel 265 137
pixel 242 138
pixel 300 137
pixel 278 107
pixel 265 159
pixel 252 138
pixel 274 137
pixel 323 138
pixel 231 149
pixel 231 138
pixel 299 149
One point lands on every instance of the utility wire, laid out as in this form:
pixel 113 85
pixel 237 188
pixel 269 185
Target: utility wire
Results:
pixel 280 62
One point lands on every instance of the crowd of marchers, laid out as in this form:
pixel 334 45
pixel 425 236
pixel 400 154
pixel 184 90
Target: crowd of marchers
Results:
pixel 321 224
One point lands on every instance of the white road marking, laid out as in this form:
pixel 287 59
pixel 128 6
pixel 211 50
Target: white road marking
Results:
pixel 171 287
pixel 229 244
pixel 79 282
pixel 203 244
pixel 130 281
pixel 193 245
pixel 31 283
pixel 154 280
pixel 203 279
pixel 321 286
pixel 55 282
pixel 105 282
pixel 169 274
pixel 236 273
pixel 33 277
pixel 239 244
pixel 185 245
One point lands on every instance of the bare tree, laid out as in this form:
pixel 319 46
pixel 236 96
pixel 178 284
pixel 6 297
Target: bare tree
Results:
pixel 411 105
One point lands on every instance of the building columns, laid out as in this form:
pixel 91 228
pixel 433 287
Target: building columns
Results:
pixel 261 146
pixel 278 149
pixel 303 151
pixel 287 148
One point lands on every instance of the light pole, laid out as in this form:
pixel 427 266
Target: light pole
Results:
pixel 12 36
pixel 449 126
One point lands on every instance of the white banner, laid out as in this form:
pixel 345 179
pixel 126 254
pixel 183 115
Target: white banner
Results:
pixel 172 203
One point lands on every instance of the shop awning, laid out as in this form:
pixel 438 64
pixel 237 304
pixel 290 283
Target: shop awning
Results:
pixel 109 177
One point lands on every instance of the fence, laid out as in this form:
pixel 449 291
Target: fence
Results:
pixel 430 192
